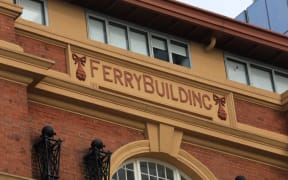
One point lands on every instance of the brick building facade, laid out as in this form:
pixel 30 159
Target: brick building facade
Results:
pixel 159 82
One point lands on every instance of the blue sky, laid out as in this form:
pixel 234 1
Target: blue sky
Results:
pixel 230 8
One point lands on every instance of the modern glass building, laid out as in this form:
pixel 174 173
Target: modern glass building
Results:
pixel 269 14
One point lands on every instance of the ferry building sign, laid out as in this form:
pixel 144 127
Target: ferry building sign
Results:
pixel 141 85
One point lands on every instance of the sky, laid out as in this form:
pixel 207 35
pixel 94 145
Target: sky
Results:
pixel 230 8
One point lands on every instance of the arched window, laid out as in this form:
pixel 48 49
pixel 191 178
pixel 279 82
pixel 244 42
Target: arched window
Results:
pixel 148 169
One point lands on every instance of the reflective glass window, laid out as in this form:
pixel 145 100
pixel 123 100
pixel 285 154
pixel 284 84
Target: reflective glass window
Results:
pixel 118 36
pixel 97 30
pixel 281 82
pixel 180 54
pixel 278 12
pixel 237 71
pixel 160 49
pixel 138 39
pixel 148 170
pixel 139 42
pixel 33 10
pixel 261 78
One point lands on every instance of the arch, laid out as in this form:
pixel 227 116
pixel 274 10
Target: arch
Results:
pixel 183 160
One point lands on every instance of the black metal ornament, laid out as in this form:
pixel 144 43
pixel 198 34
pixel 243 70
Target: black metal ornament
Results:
pixel 97 162
pixel 48 154
pixel 240 178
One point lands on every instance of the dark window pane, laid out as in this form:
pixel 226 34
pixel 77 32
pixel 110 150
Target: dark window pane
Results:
pixel 180 60
pixel 161 54
pixel 130 175
pixel 153 178
pixel 152 169
pixel 143 167
pixel 160 49
pixel 129 166
pixel 180 54
pixel 161 171
pixel 169 173
pixel 122 174
pixel 144 177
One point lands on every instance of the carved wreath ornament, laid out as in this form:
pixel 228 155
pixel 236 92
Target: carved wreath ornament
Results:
pixel 80 63
pixel 221 104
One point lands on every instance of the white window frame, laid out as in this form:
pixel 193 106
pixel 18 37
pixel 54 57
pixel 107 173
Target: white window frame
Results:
pixel 253 63
pixel 44 13
pixel 137 171
pixel 147 31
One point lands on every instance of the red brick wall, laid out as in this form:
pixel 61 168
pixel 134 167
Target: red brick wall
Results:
pixel 261 117
pixel 7 32
pixel 227 167
pixel 15 156
pixel 20 127
pixel 32 46
pixel 44 50
pixel 77 132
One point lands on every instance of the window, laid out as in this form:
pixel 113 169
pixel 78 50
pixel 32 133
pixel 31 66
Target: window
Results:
pixel 160 49
pixel 137 39
pixel 34 10
pixel 118 36
pixel 255 74
pixel 146 169
pixel 97 30
pixel 139 42
pixel 237 71
pixel 281 82
pixel 180 54
pixel 261 78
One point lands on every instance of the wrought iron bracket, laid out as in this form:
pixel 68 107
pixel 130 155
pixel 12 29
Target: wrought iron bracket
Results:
pixel 47 150
pixel 97 162
pixel 240 178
